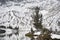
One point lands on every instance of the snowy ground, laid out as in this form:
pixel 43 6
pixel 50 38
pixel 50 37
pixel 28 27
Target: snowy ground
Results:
pixel 18 14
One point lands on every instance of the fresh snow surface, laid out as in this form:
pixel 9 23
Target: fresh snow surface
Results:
pixel 18 14
pixel 55 36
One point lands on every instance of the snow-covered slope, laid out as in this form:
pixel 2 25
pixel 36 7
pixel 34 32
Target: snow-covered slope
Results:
pixel 18 14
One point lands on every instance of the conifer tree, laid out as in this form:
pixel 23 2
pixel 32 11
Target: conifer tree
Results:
pixel 37 19
pixel 38 25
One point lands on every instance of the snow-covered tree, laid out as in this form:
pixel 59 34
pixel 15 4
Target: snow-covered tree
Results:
pixel 37 19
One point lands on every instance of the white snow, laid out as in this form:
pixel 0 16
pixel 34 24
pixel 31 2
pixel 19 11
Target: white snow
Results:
pixel 8 31
pixel 21 15
pixel 37 33
pixel 55 36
